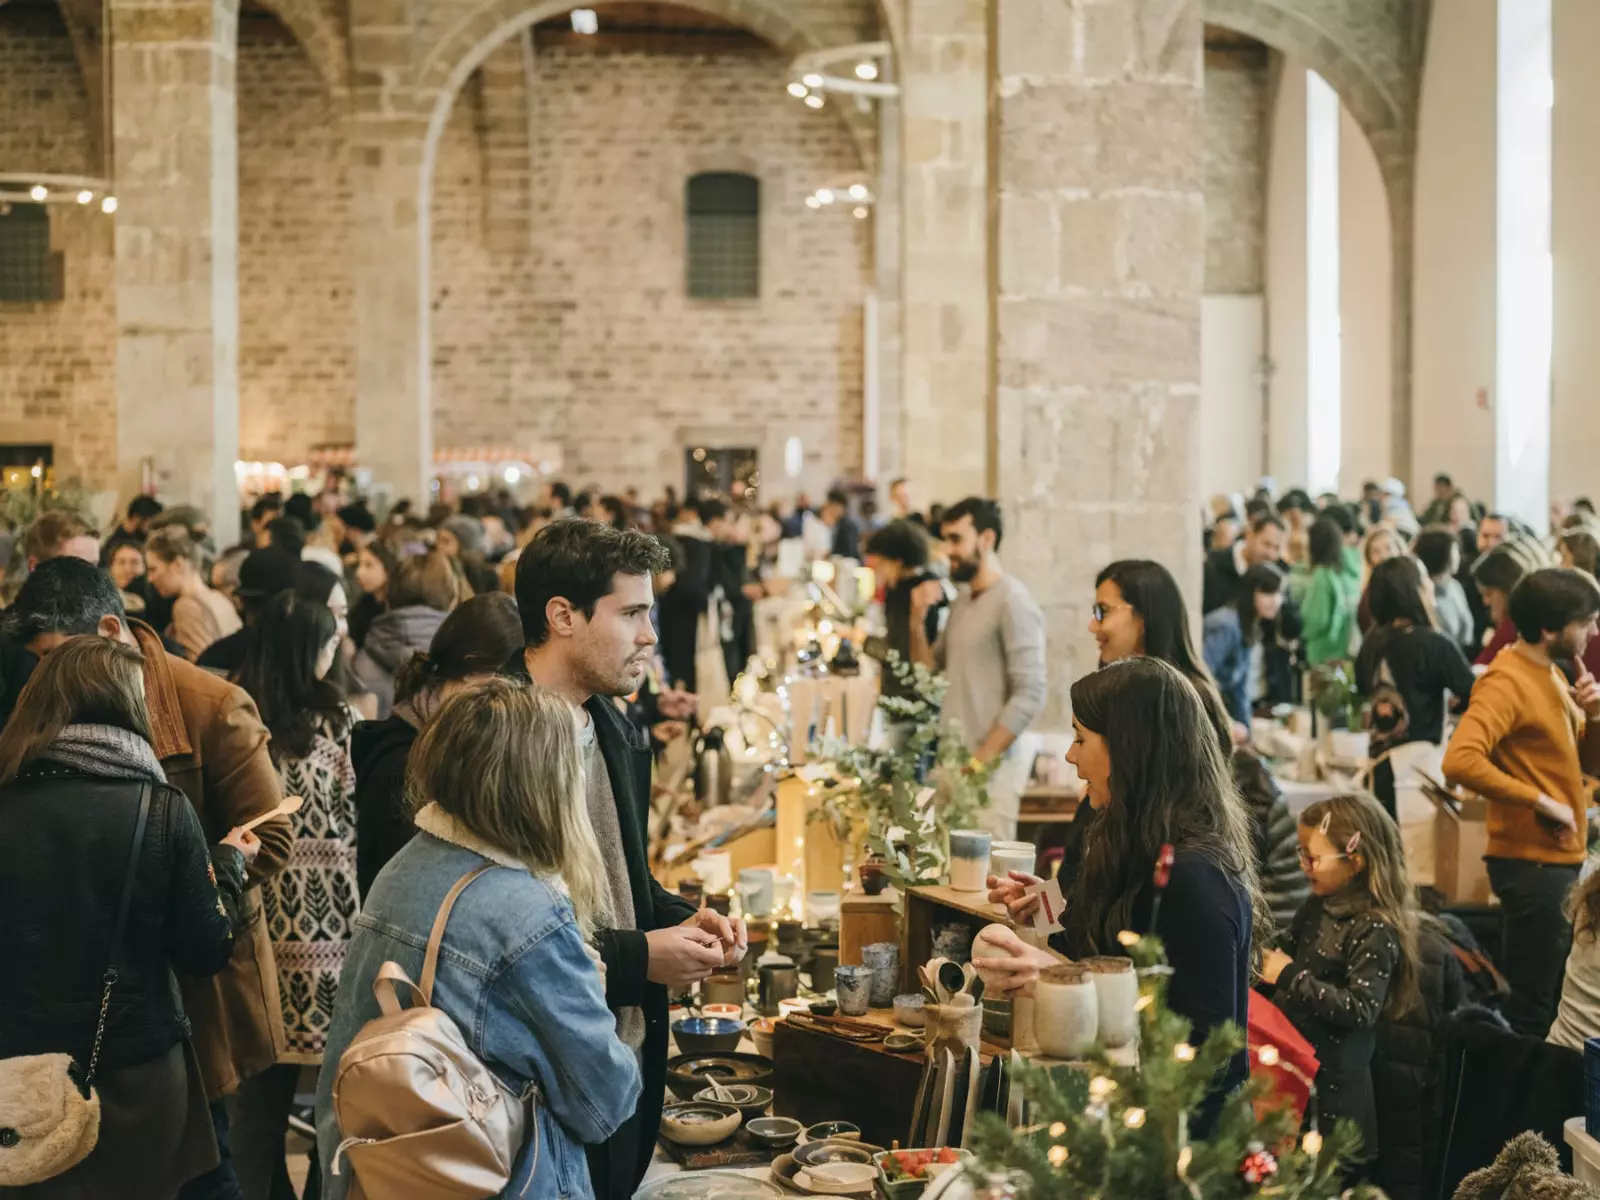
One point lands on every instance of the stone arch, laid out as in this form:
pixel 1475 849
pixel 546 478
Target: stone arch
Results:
pixel 320 35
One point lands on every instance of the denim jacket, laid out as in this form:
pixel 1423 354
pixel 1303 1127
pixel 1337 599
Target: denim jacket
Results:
pixel 515 975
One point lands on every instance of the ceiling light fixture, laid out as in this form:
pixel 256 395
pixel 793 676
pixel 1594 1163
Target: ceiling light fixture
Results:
pixel 814 101
pixel 798 90
pixel 867 70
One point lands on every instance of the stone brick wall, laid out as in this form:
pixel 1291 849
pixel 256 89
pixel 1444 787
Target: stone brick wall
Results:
pixel 56 359
pixel 588 339
pixel 1236 102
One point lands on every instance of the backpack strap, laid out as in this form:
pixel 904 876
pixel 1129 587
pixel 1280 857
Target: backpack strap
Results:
pixel 430 961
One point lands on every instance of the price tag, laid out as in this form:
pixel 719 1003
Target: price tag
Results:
pixel 1047 917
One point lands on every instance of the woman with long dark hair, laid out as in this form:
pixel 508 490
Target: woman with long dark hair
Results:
pixel 76 765
pixel 1232 639
pixel 376 564
pixel 1155 776
pixel 310 908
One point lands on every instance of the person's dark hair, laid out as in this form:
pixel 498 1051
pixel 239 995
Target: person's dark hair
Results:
pixel 1296 498
pixel 316 582
pixel 144 507
pixel 1170 785
pixel 616 511
pixel 582 501
pixel 1584 504
pixel 578 560
pixel 985 514
pixel 1550 599
pixel 267 502
pixel 62 595
pixel 1263 577
pixel 1153 593
pixel 1325 543
pixel 1504 566
pixel 1441 479
pixel 477 639
pixel 1344 516
pixel 358 517
pixel 303 509
pixel 1256 509
pixel 280 674
pixel 1267 520
pixel 836 496
pixel 561 494
pixel 709 509
pixel 1436 546
pixel 84 681
pixel 900 541
pixel 1394 592
pixel 384 553
pixel 288 535
pixel 936 515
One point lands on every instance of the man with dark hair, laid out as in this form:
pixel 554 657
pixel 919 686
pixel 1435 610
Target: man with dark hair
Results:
pixel 992 649
pixel 1265 542
pixel 267 509
pixel 213 747
pixel 1524 744
pixel 285 534
pixel 141 511
pixel 846 530
pixel 584 594
pixel 898 556
pixel 1438 510
pixel 696 595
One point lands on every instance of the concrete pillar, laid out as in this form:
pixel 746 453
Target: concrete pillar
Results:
pixel 177 249
pixel 1100 260
pixel 945 130
pixel 887 219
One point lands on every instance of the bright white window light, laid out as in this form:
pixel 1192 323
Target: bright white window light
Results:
pixel 1323 354
pixel 585 21
pixel 1524 290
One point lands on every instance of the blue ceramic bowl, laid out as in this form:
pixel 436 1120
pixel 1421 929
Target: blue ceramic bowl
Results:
pixel 707 1035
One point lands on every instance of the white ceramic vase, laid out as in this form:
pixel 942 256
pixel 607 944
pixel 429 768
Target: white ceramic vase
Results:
pixel 1116 992
pixel 1066 1012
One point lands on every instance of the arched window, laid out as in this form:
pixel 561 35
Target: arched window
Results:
pixel 29 272
pixel 724 242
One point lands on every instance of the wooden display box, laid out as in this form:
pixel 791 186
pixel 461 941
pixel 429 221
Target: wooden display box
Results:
pixel 928 907
pixel 822 1078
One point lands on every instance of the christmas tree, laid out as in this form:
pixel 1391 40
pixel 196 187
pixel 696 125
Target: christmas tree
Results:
pixel 1122 1133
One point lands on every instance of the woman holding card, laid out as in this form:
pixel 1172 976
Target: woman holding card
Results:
pixel 1155 774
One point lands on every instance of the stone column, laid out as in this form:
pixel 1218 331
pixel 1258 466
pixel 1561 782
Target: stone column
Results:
pixel 945 123
pixel 886 226
pixel 1100 260
pixel 177 249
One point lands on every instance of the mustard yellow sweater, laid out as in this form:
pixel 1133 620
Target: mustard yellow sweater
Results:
pixel 1522 736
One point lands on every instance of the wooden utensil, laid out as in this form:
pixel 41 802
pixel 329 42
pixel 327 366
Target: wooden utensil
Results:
pixel 291 804
pixel 952 979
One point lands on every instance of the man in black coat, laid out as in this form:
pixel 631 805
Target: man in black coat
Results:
pixel 584 594
pixel 1266 541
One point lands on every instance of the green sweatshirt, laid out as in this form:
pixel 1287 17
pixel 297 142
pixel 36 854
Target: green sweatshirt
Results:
pixel 1329 612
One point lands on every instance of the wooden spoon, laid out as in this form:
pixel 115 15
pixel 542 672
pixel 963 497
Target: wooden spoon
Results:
pixel 291 804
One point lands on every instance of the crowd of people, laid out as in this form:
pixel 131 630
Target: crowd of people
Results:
pixel 472 696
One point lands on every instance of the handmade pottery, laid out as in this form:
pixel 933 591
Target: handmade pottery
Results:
pixel 792 1005
pixel 761 1034
pixel 824 962
pixel 997 1018
pixel 823 1008
pixel 732 1012
pixel 902 1042
pixel 903 1186
pixel 854 987
pixel 722 989
pixel 699 1122
pixel 833 1141
pixel 709 1185
pixel 750 1100
pixel 1005 857
pixel 778 1132
pixel 873 877
pixel 701 1035
pixel 908 1010
pixel 687 1073
pixel 969 860
pixel 953 941
pixel 822 908
pixel 776 982
pixel 884 959
pixel 756 885
pixel 841 1179
pixel 1116 992
pixel 948 1027
pixel 1066 1011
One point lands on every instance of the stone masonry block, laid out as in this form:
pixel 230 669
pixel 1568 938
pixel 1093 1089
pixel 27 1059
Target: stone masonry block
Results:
pixel 1089 245
pixel 1108 40
pixel 1163 242
pixel 1035 37
pixel 1029 256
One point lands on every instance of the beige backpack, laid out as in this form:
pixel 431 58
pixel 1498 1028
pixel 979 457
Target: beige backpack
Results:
pixel 419 1114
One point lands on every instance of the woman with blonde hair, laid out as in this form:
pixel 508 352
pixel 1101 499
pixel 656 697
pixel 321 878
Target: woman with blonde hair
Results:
pixel 499 781
pixel 200 615
pixel 85 812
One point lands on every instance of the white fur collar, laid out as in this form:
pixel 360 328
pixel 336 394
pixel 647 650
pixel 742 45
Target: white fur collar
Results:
pixel 433 819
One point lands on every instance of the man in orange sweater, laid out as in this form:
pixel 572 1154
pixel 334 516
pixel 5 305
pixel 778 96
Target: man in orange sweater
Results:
pixel 1522 745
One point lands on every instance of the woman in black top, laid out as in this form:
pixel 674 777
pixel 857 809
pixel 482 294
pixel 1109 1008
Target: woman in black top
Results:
pixel 1406 666
pixel 75 763
pixel 472 643
pixel 1155 775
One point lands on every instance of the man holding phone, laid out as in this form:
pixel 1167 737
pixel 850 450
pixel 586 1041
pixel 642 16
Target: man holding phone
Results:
pixel 1524 743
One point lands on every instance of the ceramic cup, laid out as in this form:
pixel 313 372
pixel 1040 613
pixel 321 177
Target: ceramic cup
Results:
pixel 1005 857
pixel 854 986
pixel 1116 992
pixel 822 908
pixel 1066 1011
pixel 755 890
pixel 884 959
pixel 783 889
pixel 722 989
pixel 953 941
pixel 715 868
pixel 954 1029
pixel 823 964
pixel 908 1009
pixel 776 982
pixel 969 860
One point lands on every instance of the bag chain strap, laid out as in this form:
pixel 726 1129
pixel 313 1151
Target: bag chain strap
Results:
pixel 111 975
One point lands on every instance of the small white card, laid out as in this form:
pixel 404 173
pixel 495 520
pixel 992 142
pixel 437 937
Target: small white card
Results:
pixel 1047 917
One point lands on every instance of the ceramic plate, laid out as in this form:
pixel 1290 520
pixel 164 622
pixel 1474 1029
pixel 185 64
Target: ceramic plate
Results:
pixel 919 1116
pixel 707 1185
pixel 835 1150
pixel 941 1131
pixel 855 1179
pixel 1014 1093
pixel 974 1082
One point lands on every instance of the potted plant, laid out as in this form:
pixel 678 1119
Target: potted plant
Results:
pixel 1343 708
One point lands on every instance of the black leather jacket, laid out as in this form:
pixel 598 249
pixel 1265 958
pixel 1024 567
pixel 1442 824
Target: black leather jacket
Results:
pixel 65 838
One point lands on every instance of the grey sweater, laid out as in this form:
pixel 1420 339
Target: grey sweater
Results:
pixel 992 649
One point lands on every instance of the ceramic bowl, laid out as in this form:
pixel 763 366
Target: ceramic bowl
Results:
pixel 830 1150
pixel 908 1010
pixel 778 1132
pixel 793 1005
pixel 730 1012
pixel 901 1042
pixel 704 1035
pixel 761 1034
pixel 841 1178
pixel 823 1130
pixel 750 1100
pixel 823 1008
pixel 700 1123
pixel 688 1074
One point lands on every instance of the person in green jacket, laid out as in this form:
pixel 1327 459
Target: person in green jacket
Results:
pixel 1329 612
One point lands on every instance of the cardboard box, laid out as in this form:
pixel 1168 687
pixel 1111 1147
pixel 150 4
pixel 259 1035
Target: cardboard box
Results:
pixel 1460 840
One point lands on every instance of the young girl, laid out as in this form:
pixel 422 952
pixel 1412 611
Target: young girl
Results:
pixel 1355 950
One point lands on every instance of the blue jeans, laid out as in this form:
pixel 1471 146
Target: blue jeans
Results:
pixel 219 1183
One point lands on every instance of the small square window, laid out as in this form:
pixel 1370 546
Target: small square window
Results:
pixel 724 236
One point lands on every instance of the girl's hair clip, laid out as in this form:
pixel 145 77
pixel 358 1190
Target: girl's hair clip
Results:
pixel 1355 840
pixel 1327 820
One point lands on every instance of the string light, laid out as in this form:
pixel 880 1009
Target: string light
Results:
pixel 1183 1052
pixel 1100 1087
pixel 108 205
pixel 1267 1056
pixel 1059 1129
pixel 1185 1157
pixel 813 202
pixel 859 213
pixel 1128 938
pixel 1133 1118
pixel 85 196
pixel 1143 1002
pixel 858 191
pixel 1057 1155
pixel 825 195
pixel 1312 1143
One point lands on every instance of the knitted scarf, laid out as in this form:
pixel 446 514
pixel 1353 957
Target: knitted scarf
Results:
pixel 107 751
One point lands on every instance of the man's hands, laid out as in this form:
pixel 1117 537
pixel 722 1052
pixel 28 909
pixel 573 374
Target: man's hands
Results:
pixel 925 595
pixel 685 954
pixel 1586 693
pixel 1557 817
pixel 731 935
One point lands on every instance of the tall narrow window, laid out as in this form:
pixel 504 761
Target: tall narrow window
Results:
pixel 29 272
pixel 724 236
pixel 1323 353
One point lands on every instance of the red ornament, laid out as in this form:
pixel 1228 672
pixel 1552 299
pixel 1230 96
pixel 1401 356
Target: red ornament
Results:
pixel 1259 1166
pixel 1164 861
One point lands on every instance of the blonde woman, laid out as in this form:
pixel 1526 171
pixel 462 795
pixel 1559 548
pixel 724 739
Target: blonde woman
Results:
pixel 499 780
pixel 200 615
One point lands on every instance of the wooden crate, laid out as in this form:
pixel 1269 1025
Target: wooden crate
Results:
pixel 926 907
pixel 822 1078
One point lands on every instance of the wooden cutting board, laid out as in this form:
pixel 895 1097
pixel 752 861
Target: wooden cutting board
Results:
pixel 741 1150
